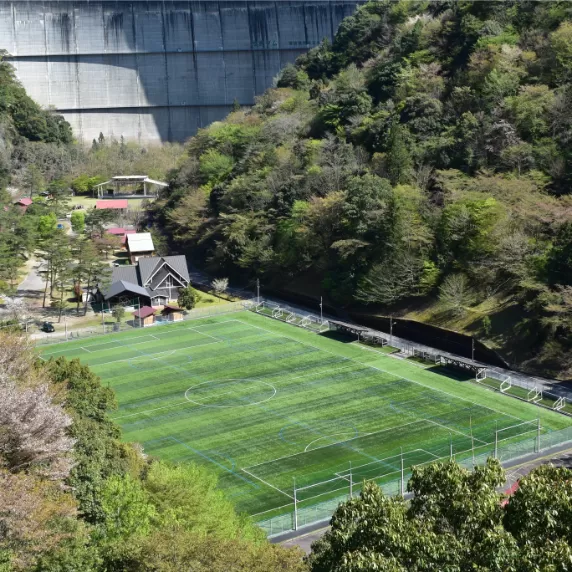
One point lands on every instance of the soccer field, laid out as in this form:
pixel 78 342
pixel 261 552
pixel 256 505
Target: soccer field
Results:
pixel 263 403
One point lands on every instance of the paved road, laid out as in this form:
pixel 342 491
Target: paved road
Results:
pixel 33 285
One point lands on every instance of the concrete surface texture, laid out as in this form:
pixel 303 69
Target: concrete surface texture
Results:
pixel 157 71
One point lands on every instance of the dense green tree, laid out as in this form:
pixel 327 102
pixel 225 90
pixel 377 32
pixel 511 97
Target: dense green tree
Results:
pixel 188 297
pixel 454 521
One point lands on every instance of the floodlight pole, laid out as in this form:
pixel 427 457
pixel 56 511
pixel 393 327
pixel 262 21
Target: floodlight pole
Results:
pixel 295 507
pixel 538 436
pixel 473 349
pixel 321 311
pixel 65 326
pixel 102 317
pixel 258 291
pixel 139 310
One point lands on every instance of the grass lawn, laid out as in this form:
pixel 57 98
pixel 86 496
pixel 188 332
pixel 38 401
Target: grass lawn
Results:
pixel 89 202
pixel 263 403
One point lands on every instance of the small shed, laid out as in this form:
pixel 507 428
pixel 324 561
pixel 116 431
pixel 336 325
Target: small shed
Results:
pixel 172 313
pixel 145 316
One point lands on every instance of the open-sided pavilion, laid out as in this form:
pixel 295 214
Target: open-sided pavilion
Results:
pixel 130 186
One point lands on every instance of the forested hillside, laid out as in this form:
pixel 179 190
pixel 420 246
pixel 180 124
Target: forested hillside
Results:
pixel 419 165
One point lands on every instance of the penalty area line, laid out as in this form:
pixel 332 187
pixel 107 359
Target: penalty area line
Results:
pixel 267 484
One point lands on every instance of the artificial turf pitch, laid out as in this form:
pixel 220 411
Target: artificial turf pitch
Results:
pixel 263 403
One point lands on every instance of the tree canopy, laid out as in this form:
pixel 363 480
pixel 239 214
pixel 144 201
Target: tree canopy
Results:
pixel 427 140
pixel 455 520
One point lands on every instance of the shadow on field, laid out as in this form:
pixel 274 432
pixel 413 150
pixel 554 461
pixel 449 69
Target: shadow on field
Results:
pixel 339 336
pixel 457 374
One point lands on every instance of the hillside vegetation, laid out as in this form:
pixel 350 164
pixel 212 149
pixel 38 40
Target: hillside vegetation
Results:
pixel 421 162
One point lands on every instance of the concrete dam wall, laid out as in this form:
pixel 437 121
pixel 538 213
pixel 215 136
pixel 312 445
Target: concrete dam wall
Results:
pixel 157 71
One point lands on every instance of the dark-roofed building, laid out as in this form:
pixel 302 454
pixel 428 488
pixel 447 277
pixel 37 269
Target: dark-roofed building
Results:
pixel 156 278
pixel 123 291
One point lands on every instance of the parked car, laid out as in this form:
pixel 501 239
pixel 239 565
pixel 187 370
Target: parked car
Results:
pixel 48 327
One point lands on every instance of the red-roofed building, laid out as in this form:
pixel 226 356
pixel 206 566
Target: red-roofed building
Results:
pixel 24 203
pixel 145 316
pixel 116 231
pixel 112 204
pixel 121 232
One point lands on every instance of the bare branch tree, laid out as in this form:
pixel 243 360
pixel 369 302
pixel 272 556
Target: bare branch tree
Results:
pixel 220 285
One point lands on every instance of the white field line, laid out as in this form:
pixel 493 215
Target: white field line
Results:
pixel 455 431
pixel 429 453
pixel 346 441
pixel 390 373
pixel 150 410
pixel 345 472
pixel 149 356
pixel 167 406
pixel 146 356
pixel 203 334
pixel 92 351
pixel 86 350
pixel 325 437
pixel 267 484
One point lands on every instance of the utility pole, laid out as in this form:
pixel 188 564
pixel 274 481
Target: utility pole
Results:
pixel 295 507
pixel 258 291
pixel 472 440
pixel 321 311
pixel 390 330
pixel 402 474
pixel 351 483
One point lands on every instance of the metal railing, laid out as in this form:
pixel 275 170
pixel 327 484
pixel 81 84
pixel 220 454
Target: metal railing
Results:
pixel 301 513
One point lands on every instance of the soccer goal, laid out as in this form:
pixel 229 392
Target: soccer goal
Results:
pixel 505 385
pixel 534 395
pixel 481 374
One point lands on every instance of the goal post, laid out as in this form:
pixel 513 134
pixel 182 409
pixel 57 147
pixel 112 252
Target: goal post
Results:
pixel 505 385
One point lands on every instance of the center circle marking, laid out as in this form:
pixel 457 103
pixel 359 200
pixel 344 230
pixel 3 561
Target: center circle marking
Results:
pixel 233 382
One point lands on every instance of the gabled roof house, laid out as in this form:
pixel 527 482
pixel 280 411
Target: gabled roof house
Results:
pixel 139 244
pixel 155 280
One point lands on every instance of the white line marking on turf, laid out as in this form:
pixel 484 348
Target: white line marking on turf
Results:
pixel 86 350
pixel 202 334
pixel 325 437
pixel 186 402
pixel 149 356
pixel 267 484
pixel 346 441
pixel 388 372
pixel 150 410
pixel 455 431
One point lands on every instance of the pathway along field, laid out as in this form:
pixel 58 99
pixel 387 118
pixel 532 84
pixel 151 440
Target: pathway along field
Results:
pixel 262 402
